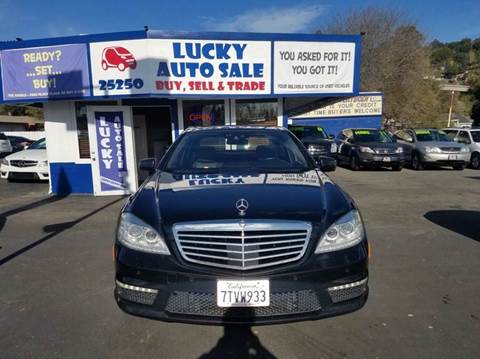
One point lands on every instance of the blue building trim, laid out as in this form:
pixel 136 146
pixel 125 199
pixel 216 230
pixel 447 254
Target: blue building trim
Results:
pixel 70 177
pixel 334 125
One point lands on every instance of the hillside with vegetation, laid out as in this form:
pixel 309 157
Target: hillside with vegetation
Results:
pixel 397 60
pixel 458 62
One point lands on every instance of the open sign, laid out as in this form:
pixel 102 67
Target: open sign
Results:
pixel 199 118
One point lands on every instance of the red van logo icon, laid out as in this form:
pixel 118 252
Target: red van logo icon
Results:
pixel 118 57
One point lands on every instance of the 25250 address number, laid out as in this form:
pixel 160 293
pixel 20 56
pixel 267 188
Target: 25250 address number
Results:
pixel 119 84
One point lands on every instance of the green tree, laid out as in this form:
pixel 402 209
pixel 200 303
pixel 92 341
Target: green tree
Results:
pixel 395 61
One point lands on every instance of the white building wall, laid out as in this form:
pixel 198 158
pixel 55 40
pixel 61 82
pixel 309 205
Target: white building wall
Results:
pixel 61 131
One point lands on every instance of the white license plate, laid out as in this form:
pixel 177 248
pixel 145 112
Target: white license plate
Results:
pixel 243 293
pixel 386 159
pixel 452 157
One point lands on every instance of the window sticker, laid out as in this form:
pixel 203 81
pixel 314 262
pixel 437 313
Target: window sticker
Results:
pixel 422 132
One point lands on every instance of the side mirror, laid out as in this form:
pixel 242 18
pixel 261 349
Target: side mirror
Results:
pixel 326 164
pixel 331 137
pixel 147 164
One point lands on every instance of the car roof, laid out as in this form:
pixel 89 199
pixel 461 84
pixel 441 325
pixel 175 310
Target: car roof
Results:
pixel 211 128
pixel 363 128
pixel 460 129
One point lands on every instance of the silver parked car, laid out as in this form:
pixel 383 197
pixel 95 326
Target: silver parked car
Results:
pixel 429 146
pixel 469 137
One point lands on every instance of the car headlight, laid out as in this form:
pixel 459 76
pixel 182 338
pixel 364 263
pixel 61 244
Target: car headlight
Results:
pixel 43 163
pixel 4 162
pixel 136 234
pixel 430 149
pixel 464 149
pixel 345 232
pixel 399 150
pixel 333 148
pixel 366 149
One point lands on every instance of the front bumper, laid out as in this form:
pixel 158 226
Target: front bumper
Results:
pixel 24 173
pixel 446 158
pixel 381 159
pixel 322 287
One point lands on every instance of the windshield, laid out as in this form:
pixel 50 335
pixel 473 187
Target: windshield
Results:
pixel 431 135
pixel 371 136
pixel 38 145
pixel 475 136
pixel 308 132
pixel 235 150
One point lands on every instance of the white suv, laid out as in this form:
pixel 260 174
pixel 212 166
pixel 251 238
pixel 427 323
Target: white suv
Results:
pixel 5 145
pixel 27 164
pixel 470 137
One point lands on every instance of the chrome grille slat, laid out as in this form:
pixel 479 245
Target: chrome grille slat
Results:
pixel 242 244
pixel 213 243
pixel 240 237
pixel 212 249
pixel 272 256
pixel 273 249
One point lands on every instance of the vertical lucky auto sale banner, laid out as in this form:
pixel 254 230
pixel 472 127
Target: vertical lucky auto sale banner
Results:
pixel 111 150
pixel 45 72
pixel 169 66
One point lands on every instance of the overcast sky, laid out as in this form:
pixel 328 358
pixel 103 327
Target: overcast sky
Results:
pixel 441 19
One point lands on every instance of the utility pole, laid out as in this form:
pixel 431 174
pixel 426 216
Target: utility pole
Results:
pixel 453 88
pixel 452 96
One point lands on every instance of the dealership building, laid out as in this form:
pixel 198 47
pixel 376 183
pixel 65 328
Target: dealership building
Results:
pixel 111 99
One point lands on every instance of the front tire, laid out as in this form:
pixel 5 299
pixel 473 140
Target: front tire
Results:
pixel 354 163
pixel 417 164
pixel 398 167
pixel 475 161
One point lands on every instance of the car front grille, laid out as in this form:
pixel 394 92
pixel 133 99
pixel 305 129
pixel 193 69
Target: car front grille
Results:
pixel 450 149
pixel 318 149
pixel 385 151
pixel 23 163
pixel 242 244
pixel 205 304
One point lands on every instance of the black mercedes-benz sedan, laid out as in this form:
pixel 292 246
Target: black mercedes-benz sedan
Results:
pixel 238 225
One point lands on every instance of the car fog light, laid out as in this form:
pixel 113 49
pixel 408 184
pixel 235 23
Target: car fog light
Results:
pixel 348 291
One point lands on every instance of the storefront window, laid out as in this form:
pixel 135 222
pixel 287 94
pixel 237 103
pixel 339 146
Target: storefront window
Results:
pixel 256 112
pixel 82 125
pixel 203 113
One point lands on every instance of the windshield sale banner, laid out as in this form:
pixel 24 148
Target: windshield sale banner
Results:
pixel 176 67
pixel 45 72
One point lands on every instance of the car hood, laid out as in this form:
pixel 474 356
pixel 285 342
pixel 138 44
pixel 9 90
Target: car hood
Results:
pixel 378 144
pixel 440 144
pixel 32 155
pixel 316 141
pixel 308 197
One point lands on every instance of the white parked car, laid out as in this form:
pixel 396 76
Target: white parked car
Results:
pixel 27 164
pixel 5 145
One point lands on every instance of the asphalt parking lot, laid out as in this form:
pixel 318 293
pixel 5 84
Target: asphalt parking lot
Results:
pixel 56 280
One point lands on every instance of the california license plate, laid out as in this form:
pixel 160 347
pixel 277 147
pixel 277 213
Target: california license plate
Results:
pixel 452 157
pixel 386 159
pixel 243 293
